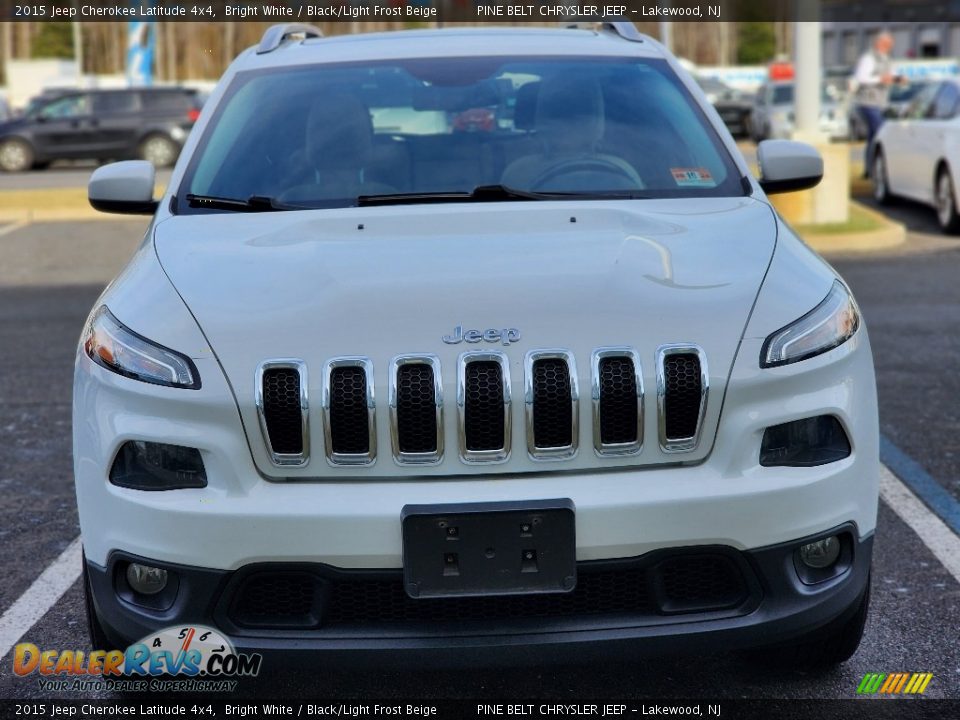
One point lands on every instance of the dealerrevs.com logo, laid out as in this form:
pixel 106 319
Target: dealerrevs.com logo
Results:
pixel 193 659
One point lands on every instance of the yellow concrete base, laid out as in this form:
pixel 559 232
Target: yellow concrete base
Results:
pixel 828 202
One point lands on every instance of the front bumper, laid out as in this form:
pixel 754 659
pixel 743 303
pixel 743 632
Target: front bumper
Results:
pixel 775 606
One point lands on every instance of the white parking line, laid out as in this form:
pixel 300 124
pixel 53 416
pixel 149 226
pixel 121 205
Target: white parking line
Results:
pixel 47 589
pixel 934 533
pixel 13 227
pixel 42 595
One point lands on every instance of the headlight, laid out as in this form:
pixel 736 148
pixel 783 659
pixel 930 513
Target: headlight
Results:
pixel 829 324
pixel 119 349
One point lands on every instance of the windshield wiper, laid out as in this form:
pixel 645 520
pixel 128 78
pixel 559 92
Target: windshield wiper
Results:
pixel 255 203
pixel 494 193
pixel 481 193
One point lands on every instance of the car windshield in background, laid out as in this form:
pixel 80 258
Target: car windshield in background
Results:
pixel 341 135
pixel 783 94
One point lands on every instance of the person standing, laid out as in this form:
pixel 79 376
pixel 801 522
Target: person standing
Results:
pixel 873 78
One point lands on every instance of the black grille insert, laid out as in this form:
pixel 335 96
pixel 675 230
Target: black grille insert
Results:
pixel 279 600
pixel 416 409
pixel 349 425
pixel 327 598
pixel 552 404
pixel 281 410
pixel 618 401
pixel 682 395
pixel 483 421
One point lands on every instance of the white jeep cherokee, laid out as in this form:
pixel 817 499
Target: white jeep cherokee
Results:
pixel 469 341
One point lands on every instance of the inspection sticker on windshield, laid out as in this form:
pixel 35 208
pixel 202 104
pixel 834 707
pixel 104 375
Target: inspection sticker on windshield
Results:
pixel 693 177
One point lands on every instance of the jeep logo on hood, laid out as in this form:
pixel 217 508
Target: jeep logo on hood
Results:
pixel 506 336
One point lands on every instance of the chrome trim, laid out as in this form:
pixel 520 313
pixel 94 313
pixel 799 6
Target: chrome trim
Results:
pixel 428 458
pixel 676 445
pixel 554 453
pixel 484 456
pixel 284 459
pixel 336 459
pixel 615 449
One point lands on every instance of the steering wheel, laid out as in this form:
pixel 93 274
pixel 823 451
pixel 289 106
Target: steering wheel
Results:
pixel 596 164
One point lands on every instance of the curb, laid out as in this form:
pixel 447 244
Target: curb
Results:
pixel 51 205
pixel 889 235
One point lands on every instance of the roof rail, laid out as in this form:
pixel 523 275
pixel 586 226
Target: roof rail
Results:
pixel 622 28
pixel 276 34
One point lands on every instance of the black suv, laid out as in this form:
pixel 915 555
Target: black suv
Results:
pixel 148 123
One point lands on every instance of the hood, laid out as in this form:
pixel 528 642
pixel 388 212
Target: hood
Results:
pixel 380 282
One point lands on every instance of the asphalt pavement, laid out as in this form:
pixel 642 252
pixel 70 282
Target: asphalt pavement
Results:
pixel 51 274
pixel 62 174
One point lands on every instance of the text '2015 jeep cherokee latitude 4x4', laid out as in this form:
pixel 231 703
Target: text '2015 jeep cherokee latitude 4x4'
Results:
pixel 474 340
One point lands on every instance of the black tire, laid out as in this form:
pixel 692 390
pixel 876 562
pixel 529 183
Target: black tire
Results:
pixel 98 637
pixel 829 647
pixel 944 195
pixel 881 182
pixel 159 149
pixel 16 155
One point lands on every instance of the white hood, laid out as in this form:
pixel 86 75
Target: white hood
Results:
pixel 385 281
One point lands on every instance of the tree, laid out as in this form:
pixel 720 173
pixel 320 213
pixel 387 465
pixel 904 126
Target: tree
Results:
pixel 756 43
pixel 54 40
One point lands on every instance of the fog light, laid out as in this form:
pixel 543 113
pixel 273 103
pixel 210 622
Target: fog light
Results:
pixel 804 443
pixel 145 579
pixel 822 553
pixel 144 465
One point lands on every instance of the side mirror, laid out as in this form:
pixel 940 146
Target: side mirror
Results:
pixel 124 187
pixel 787 165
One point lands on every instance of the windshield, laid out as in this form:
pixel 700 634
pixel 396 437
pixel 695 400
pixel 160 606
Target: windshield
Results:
pixel 783 94
pixel 325 136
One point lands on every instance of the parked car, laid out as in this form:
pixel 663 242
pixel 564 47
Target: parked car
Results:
pixel 733 106
pixel 918 156
pixel 148 123
pixel 772 115
pixel 900 97
pixel 564 385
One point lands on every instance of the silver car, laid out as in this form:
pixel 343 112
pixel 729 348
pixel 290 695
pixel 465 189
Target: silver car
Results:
pixel 773 113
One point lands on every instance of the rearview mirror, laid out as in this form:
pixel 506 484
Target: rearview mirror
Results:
pixel 123 187
pixel 787 165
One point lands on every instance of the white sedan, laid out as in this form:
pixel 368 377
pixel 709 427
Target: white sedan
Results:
pixel 918 156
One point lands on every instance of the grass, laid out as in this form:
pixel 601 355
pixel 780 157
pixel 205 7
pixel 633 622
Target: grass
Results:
pixel 860 221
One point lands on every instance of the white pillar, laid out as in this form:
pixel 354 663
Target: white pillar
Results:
pixel 666 34
pixel 807 76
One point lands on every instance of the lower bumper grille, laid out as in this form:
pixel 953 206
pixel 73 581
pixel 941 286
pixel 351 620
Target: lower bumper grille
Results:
pixel 680 583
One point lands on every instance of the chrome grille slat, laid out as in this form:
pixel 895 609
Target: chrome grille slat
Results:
pixel 564 391
pixel 414 405
pixel 273 417
pixel 343 421
pixel 469 454
pixel 627 402
pixel 682 393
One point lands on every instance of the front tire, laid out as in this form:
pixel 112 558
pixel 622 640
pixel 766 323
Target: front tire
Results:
pixel 946 203
pixel 830 647
pixel 16 155
pixel 98 637
pixel 881 182
pixel 159 150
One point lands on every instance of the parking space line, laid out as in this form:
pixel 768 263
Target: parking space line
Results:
pixel 42 595
pixel 13 227
pixel 942 541
pixel 909 471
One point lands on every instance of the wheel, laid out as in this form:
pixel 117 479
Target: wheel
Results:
pixel 16 155
pixel 946 202
pixel 831 646
pixel 98 637
pixel 159 150
pixel 881 185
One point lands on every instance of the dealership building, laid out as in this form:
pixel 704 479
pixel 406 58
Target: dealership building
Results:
pixel 921 29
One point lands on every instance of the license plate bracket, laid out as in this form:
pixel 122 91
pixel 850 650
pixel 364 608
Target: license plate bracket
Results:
pixel 496 548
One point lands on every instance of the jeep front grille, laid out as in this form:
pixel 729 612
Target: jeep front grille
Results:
pixel 281 396
pixel 484 411
pixel 416 409
pixel 681 396
pixel 349 411
pixel 552 404
pixel 617 401
pixel 483 402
